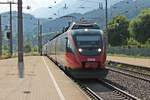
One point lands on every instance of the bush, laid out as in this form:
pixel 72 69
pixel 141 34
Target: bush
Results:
pixel 147 44
pixel 133 43
pixel 35 49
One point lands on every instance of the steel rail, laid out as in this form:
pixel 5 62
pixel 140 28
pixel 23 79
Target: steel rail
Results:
pixel 115 91
pixel 127 95
pixel 136 72
pixel 128 74
pixel 89 92
pixel 133 66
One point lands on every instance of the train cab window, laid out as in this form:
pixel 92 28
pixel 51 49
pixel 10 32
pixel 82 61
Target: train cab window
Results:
pixel 88 41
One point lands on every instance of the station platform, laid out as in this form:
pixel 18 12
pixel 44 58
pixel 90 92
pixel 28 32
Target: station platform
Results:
pixel 43 80
pixel 145 62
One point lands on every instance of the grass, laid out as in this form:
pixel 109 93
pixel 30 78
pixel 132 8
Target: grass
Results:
pixel 6 56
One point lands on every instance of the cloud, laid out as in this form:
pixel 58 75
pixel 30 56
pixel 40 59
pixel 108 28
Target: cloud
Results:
pixel 33 3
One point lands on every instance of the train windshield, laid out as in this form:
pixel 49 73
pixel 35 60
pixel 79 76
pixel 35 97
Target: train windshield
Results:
pixel 89 44
pixel 92 41
pixel 86 27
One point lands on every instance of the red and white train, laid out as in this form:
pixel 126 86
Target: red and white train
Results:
pixel 81 50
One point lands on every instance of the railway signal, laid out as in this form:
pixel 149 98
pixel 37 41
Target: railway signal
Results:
pixel 8 35
pixel 10 22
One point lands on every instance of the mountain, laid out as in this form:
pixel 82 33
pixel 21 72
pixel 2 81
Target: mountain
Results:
pixel 128 8
pixel 58 23
pixel 30 24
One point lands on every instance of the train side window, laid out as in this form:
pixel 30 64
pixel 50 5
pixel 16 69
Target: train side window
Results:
pixel 68 46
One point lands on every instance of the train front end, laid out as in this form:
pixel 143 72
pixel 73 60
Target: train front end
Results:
pixel 89 54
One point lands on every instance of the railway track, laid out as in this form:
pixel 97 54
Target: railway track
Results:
pixel 104 90
pixel 135 68
pixel 128 71
pixel 111 92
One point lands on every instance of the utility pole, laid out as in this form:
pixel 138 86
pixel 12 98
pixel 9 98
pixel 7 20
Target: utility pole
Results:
pixel 38 36
pixel 106 14
pixel 40 39
pixel 0 37
pixel 11 44
pixel 20 40
pixel 11 40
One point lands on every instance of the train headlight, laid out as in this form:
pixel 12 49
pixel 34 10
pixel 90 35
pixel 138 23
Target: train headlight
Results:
pixel 80 50
pixel 99 50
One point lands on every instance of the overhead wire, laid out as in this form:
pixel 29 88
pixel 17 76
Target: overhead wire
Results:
pixel 80 5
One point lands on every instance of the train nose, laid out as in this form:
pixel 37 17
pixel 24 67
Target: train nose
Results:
pixel 91 62
pixel 90 65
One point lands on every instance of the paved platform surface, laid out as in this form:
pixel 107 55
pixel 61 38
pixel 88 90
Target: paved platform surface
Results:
pixel 42 81
pixel 134 61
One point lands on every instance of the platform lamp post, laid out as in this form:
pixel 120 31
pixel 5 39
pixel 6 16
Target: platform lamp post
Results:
pixel 20 40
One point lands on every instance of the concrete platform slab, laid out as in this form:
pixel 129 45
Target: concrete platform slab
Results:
pixel 128 60
pixel 37 83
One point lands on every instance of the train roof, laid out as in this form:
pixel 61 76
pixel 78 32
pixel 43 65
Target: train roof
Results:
pixel 83 25
pixel 90 31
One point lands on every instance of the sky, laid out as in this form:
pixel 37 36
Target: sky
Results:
pixel 35 4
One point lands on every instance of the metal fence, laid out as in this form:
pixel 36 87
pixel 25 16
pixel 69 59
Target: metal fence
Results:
pixel 130 51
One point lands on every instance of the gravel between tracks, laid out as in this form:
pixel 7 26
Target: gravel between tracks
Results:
pixel 139 88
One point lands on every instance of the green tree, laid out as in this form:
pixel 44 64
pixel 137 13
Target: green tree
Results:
pixel 27 48
pixel 140 27
pixel 118 31
pixel 133 43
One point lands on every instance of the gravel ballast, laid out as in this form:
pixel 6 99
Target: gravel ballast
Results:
pixel 136 87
